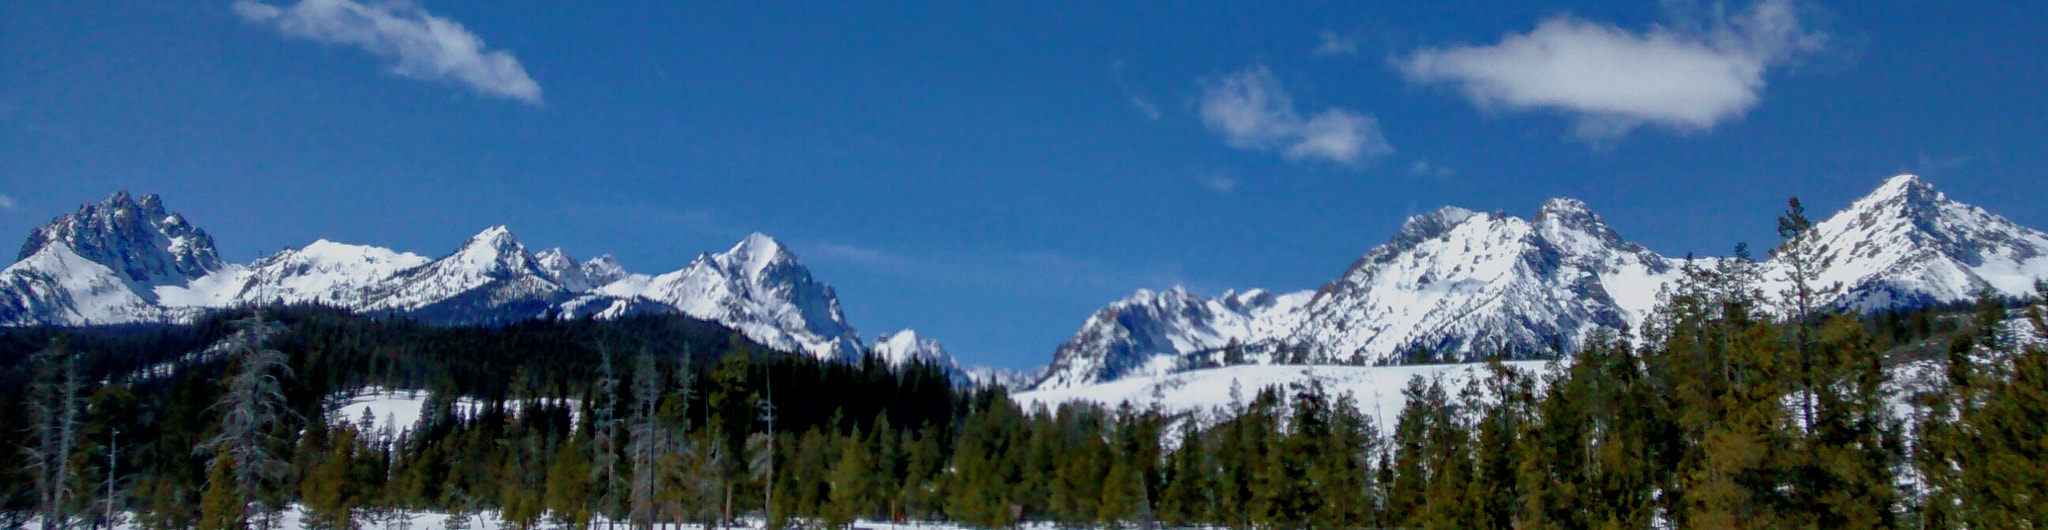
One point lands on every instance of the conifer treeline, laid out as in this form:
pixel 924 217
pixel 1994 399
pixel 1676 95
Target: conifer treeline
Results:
pixel 1721 412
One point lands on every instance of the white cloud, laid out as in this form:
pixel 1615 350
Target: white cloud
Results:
pixel 1341 136
pixel 1687 78
pixel 1251 110
pixel 1217 180
pixel 421 45
pixel 7 203
pixel 1330 44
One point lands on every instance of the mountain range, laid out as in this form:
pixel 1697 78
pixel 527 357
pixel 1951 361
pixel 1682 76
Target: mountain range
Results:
pixel 1454 284
pixel 1449 285
pixel 126 259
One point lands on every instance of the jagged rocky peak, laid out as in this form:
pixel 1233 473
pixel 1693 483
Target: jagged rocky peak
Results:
pixel 559 266
pixel 603 269
pixel 135 237
pixel 1564 215
pixel 1435 223
pixel 1248 300
pixel 556 260
pixel 495 250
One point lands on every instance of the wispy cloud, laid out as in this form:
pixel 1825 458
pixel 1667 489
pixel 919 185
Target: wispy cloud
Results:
pixel 859 255
pixel 1423 168
pixel 1251 110
pixel 1331 44
pixel 1688 77
pixel 1930 166
pixel 419 44
pixel 1137 99
pixel 1216 180
pixel 7 203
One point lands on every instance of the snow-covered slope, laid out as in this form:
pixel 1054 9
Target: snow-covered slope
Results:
pixel 1453 282
pixel 322 272
pixel 759 288
pixel 57 286
pixel 1458 283
pixel 1153 333
pixel 489 278
pixel 1377 389
pixel 1909 244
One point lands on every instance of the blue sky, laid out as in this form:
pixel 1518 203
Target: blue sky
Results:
pixel 992 173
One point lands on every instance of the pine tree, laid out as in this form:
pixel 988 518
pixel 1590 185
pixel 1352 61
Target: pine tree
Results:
pixel 1406 492
pixel 2004 443
pixel 1287 497
pixel 55 426
pixel 886 466
pixel 221 507
pixel 1186 497
pixel 251 408
pixel 1805 258
pixel 569 485
pixel 919 494
pixel 327 490
pixel 523 480
pixel 645 441
pixel 1854 445
pixel 852 482
pixel 1342 478
pixel 604 460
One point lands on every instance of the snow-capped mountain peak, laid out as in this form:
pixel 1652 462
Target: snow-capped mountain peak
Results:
pixel 755 256
pixel 759 288
pixel 490 277
pixel 1909 244
pixel 136 238
pixel 1155 332
pixel 602 270
pixel 1457 283
pixel 493 250
pixel 125 259
pixel 905 346
pixel 559 266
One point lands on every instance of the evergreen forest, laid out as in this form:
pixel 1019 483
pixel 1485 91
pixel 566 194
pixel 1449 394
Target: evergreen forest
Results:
pixel 1730 408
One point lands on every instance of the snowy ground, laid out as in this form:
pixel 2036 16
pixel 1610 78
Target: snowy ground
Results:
pixel 396 411
pixel 1377 388
pixel 293 519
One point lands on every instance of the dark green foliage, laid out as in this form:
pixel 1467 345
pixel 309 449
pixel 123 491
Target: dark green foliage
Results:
pixel 1700 420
